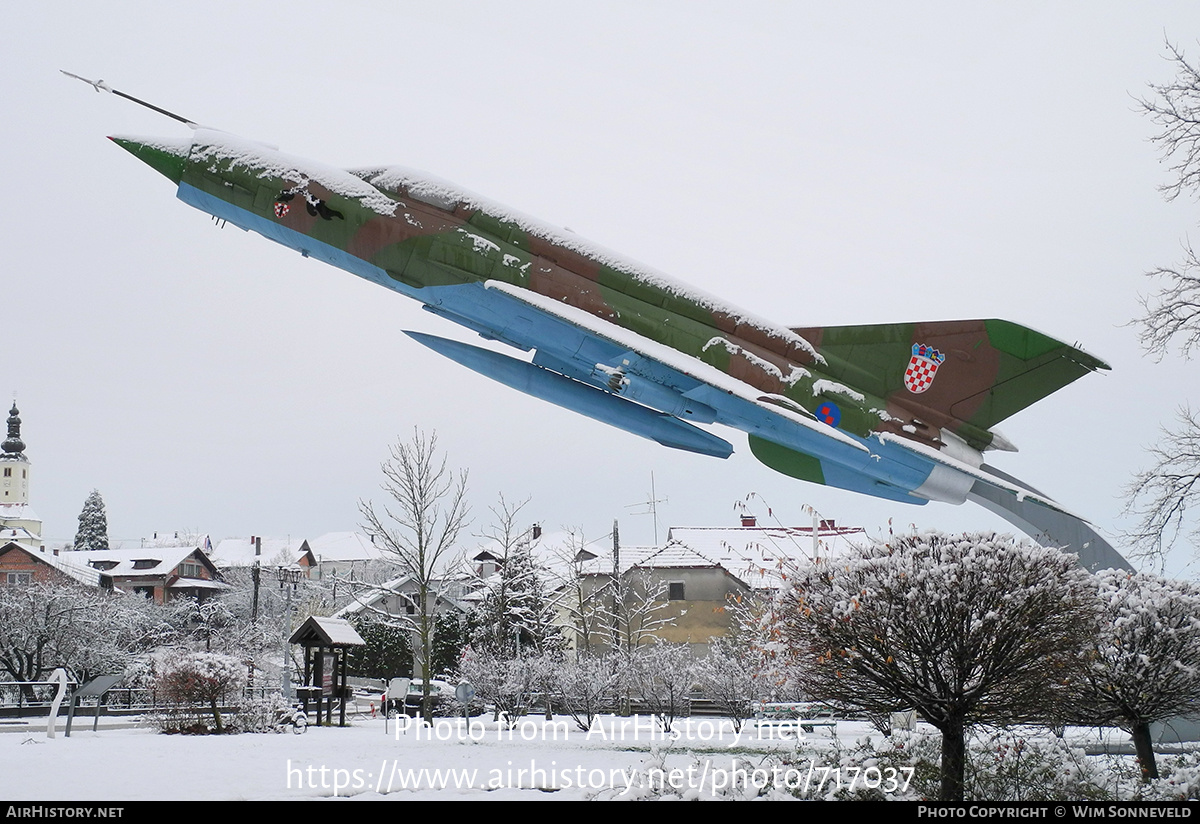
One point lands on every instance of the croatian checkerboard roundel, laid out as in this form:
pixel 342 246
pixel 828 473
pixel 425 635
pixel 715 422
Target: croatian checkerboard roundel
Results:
pixel 922 368
pixel 281 209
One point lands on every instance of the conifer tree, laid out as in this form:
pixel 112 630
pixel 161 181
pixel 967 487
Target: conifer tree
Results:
pixel 93 524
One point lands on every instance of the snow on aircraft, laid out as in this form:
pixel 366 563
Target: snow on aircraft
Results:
pixel 898 411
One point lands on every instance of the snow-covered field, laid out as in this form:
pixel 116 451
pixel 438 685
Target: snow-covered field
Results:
pixel 537 761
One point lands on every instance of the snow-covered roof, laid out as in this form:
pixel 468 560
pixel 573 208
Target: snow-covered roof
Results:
pixel 750 552
pixel 455 590
pixel 198 583
pixel 371 596
pixel 239 552
pixel 676 555
pixel 149 562
pixel 166 539
pixel 63 563
pixel 343 547
pixel 82 574
pixel 328 631
pixel 19 533
pixel 18 512
pixel 673 555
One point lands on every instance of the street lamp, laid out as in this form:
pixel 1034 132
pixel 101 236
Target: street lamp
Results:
pixel 291 574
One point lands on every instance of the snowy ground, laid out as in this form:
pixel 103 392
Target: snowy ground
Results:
pixel 361 761
pixel 137 764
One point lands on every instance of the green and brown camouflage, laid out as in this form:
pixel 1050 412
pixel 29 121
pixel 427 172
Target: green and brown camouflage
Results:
pixel 901 411
pixel 992 368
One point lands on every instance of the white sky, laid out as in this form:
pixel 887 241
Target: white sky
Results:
pixel 869 163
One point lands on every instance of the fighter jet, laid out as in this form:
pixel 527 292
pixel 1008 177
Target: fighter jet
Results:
pixel 901 411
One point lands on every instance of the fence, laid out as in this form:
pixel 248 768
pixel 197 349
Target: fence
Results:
pixel 21 699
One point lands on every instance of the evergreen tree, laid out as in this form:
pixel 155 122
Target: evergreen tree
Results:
pixel 93 524
pixel 449 639
pixel 516 617
pixel 387 653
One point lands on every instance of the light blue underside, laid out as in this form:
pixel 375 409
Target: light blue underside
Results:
pixel 888 471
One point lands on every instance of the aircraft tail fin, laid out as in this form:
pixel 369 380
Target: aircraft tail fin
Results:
pixel 1047 526
pixel 973 372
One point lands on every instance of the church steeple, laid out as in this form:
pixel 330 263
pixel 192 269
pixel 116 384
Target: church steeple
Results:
pixel 17 521
pixel 13 446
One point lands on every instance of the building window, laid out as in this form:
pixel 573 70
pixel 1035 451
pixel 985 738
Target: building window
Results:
pixel 17 579
pixel 145 592
pixel 675 591
pixel 8 471
pixel 145 563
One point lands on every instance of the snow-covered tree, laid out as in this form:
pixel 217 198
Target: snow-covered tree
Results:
pixel 586 684
pixel 506 682
pixel 728 676
pixel 93 524
pixel 195 678
pixel 1145 663
pixel 1165 496
pixel 966 630
pixel 417 533
pixel 85 631
pixel 637 602
pixel 516 614
pixel 661 675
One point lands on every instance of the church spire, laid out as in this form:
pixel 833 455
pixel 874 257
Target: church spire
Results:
pixel 13 446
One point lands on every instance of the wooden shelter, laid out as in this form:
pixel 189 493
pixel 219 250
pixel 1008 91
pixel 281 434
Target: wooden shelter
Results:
pixel 325 641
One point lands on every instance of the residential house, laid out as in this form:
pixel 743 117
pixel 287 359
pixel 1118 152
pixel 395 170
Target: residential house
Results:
pixel 21 565
pixel 686 590
pixel 158 573
pixel 243 553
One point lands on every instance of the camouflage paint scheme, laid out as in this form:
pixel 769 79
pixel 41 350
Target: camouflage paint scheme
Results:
pixel 622 344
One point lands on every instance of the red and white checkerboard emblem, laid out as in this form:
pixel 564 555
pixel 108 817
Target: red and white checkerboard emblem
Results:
pixel 282 209
pixel 922 367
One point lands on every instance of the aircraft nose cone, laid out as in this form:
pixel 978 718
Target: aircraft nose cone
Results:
pixel 168 157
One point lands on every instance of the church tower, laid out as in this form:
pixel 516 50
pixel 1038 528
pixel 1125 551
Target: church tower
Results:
pixel 18 522
pixel 14 466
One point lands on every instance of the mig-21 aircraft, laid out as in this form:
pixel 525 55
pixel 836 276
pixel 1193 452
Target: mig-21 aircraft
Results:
pixel 901 411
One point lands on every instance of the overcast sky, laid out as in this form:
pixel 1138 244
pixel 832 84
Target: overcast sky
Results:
pixel 864 163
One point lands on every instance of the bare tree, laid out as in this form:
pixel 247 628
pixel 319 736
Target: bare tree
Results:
pixel 86 631
pixel 1145 663
pixel 1175 109
pixel 578 597
pixel 418 531
pixel 1162 496
pixel 661 675
pixel 728 677
pixel 586 683
pixel 638 602
pixel 966 630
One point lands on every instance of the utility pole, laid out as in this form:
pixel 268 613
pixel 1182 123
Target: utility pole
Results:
pixel 256 576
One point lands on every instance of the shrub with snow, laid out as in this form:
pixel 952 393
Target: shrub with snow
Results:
pixel 965 629
pixel 191 687
pixel 1144 664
